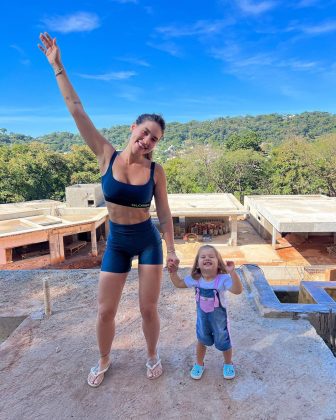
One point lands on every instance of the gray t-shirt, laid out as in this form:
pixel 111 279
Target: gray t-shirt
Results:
pixel 224 284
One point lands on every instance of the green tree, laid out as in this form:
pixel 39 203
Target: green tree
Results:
pixel 173 169
pixel 32 172
pixel 245 139
pixel 191 172
pixel 325 151
pixel 293 167
pixel 239 172
pixel 83 165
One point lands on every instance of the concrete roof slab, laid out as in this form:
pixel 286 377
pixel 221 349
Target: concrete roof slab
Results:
pixel 204 205
pixel 296 213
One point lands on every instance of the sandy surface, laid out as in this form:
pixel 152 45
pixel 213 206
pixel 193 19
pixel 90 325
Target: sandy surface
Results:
pixel 284 370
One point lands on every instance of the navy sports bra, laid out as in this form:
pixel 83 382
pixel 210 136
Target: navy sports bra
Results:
pixel 129 195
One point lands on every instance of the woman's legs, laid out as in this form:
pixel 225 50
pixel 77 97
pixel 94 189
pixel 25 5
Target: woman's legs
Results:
pixel 149 291
pixel 110 288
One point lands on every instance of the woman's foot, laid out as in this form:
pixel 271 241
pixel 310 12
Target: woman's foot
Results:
pixel 154 367
pixel 97 373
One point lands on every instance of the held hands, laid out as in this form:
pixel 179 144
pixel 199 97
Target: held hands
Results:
pixel 172 267
pixel 172 262
pixel 50 49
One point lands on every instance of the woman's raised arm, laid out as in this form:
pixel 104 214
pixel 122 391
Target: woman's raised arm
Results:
pixel 97 143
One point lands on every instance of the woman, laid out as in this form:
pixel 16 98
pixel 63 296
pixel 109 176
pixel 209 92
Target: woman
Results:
pixel 129 180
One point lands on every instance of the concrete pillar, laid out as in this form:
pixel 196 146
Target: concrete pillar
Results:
pixel 305 296
pixel 56 247
pixel 234 231
pixel 182 223
pixel 3 256
pixel 94 242
pixel 330 275
pixel 61 247
pixel 274 236
pixel 6 255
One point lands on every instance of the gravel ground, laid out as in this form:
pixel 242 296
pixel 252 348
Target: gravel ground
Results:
pixel 284 370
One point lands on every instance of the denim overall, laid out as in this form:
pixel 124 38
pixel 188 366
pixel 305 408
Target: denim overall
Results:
pixel 211 325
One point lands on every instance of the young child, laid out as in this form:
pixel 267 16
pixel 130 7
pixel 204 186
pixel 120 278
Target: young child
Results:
pixel 210 277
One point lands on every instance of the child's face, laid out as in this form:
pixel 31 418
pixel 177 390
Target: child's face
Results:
pixel 207 261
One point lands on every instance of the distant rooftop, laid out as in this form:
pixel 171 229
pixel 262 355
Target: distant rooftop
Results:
pixel 31 216
pixel 296 213
pixel 207 205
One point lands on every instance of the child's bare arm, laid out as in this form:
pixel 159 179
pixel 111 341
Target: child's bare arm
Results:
pixel 237 286
pixel 175 278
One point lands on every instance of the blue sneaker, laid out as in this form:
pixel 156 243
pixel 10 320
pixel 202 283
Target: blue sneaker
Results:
pixel 197 371
pixel 229 371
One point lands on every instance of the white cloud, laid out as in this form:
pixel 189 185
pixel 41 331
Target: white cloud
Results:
pixel 301 65
pixel 149 10
pixel 201 27
pixel 291 91
pixel 234 55
pixel 322 28
pixel 130 93
pixel 250 7
pixel 19 110
pixel 24 60
pixel 77 22
pixel 168 47
pixel 134 60
pixel 306 3
pixel 17 48
pixel 125 1
pixel 118 75
pixel 4 119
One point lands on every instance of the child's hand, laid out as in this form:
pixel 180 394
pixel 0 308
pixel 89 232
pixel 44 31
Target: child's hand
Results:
pixel 172 258
pixel 230 266
pixel 172 267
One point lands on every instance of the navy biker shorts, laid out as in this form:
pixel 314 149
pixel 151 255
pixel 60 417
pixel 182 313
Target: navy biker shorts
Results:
pixel 127 241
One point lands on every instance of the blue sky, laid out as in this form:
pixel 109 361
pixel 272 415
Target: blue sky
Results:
pixel 185 59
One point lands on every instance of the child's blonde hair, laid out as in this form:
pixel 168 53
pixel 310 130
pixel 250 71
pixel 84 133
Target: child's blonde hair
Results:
pixel 195 270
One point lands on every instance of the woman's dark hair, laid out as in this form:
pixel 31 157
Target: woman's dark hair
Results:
pixel 152 117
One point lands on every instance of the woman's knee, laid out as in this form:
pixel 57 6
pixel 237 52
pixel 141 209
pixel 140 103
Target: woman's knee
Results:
pixel 149 312
pixel 106 314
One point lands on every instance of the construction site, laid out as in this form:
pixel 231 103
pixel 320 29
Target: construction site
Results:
pixel 283 325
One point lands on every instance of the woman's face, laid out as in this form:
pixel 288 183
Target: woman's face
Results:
pixel 145 136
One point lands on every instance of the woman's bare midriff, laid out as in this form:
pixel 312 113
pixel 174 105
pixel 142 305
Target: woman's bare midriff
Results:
pixel 126 215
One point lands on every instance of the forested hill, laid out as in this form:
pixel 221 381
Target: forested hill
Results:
pixel 271 128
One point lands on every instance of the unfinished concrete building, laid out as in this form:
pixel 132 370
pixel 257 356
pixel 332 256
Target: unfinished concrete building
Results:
pixel 48 227
pixel 274 216
pixel 193 212
pixel 199 214
pixel 84 195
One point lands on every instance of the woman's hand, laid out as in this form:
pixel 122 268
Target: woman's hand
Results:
pixel 172 267
pixel 50 49
pixel 172 261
